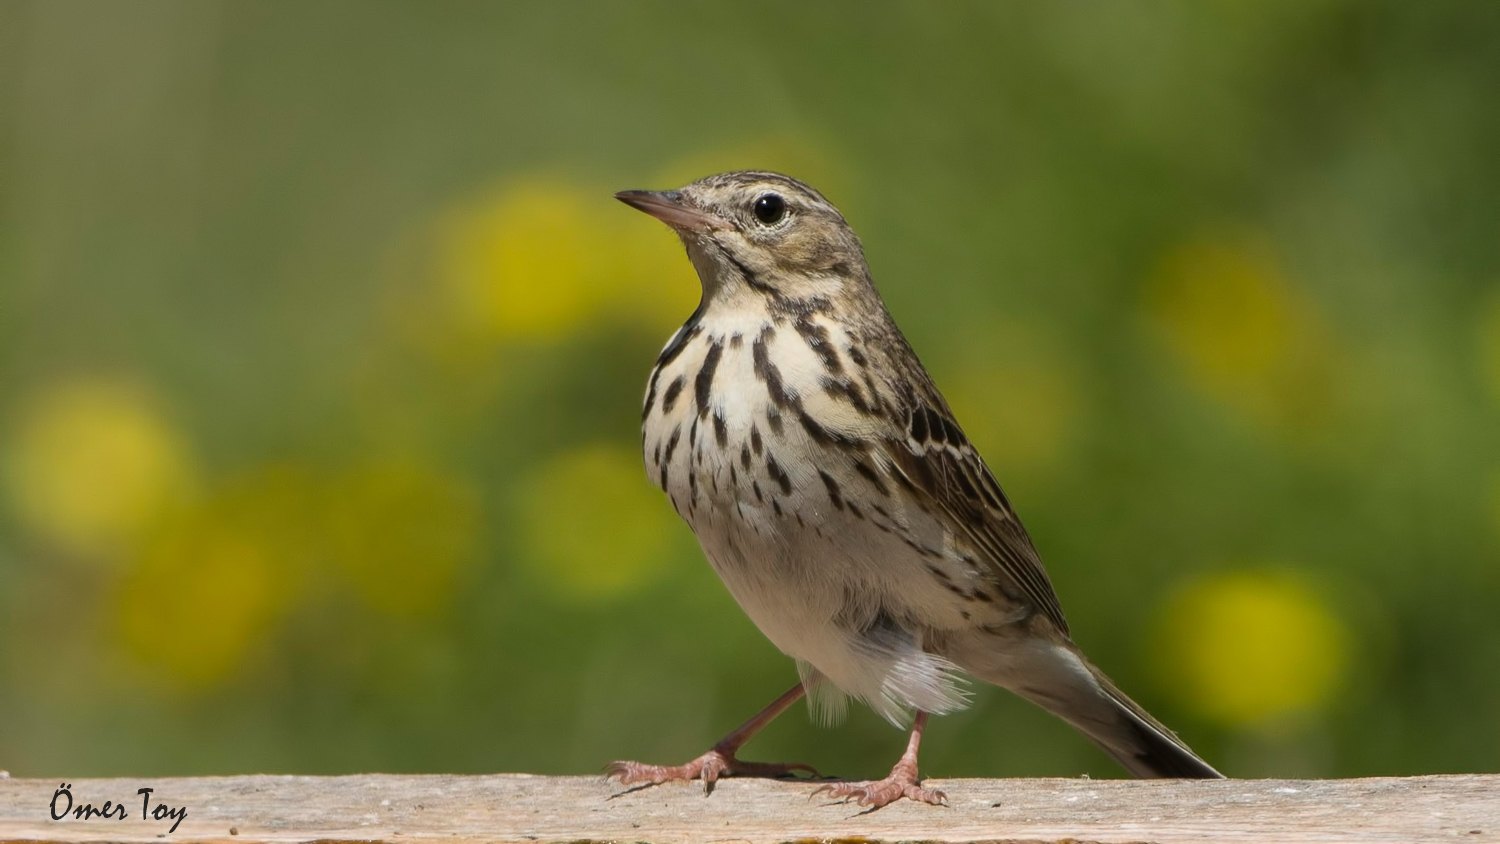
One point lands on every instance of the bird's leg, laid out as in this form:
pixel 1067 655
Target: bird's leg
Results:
pixel 720 759
pixel 902 781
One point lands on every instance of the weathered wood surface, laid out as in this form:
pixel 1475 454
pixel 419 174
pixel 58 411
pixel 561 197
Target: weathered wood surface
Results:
pixel 519 808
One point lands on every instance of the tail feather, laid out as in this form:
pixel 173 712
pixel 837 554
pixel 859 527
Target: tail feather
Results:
pixel 1055 676
pixel 1156 752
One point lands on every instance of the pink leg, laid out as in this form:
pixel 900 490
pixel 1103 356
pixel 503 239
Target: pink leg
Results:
pixel 902 781
pixel 720 760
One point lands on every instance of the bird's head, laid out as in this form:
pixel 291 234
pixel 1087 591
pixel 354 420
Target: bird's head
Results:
pixel 754 231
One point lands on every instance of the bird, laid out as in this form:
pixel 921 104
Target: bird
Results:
pixel 794 429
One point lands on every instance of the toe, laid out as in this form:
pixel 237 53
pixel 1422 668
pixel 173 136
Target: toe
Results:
pixel 635 773
pixel 878 795
pixel 926 795
pixel 625 772
pixel 713 765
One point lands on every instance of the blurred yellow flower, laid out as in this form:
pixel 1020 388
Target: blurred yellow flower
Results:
pixel 1246 336
pixel 593 525
pixel 93 461
pixel 544 258
pixel 403 531
pixel 202 593
pixel 1246 647
pixel 524 264
pixel 210 580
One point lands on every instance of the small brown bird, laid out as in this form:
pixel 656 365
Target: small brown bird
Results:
pixel 796 432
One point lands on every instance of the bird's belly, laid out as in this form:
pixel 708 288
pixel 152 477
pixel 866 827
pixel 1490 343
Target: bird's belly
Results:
pixel 849 595
pixel 820 594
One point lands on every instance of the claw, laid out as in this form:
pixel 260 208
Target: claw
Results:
pixel 882 793
pixel 709 768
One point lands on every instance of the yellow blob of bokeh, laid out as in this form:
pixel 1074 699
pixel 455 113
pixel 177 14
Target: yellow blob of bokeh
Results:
pixel 1227 308
pixel 1244 648
pixel 201 594
pixel 93 461
pixel 594 527
pixel 403 531
pixel 523 264
pixel 1247 337
pixel 544 258
pixel 209 581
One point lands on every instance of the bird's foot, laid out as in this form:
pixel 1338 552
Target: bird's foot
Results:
pixel 902 782
pixel 709 767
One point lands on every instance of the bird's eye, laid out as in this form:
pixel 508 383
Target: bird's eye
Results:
pixel 770 208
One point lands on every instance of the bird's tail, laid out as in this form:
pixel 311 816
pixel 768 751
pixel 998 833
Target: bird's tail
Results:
pixel 1056 676
pixel 1142 744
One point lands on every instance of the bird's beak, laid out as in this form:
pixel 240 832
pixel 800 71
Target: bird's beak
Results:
pixel 667 206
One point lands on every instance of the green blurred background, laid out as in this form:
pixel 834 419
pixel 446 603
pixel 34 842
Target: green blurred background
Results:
pixel 322 344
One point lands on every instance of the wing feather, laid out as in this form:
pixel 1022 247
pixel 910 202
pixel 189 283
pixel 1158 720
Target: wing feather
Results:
pixel 944 467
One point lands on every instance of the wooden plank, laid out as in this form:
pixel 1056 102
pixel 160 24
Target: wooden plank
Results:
pixel 521 808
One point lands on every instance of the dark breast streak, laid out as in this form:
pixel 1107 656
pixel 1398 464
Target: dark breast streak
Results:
pixel 762 444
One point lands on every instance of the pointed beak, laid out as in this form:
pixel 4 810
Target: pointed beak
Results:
pixel 667 206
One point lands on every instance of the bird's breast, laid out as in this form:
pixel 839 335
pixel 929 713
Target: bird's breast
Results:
pixel 763 435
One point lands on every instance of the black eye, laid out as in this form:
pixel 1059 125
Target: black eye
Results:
pixel 770 208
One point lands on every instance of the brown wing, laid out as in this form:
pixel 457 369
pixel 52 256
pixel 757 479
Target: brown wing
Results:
pixel 937 461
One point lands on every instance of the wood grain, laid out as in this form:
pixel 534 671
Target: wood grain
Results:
pixel 522 808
